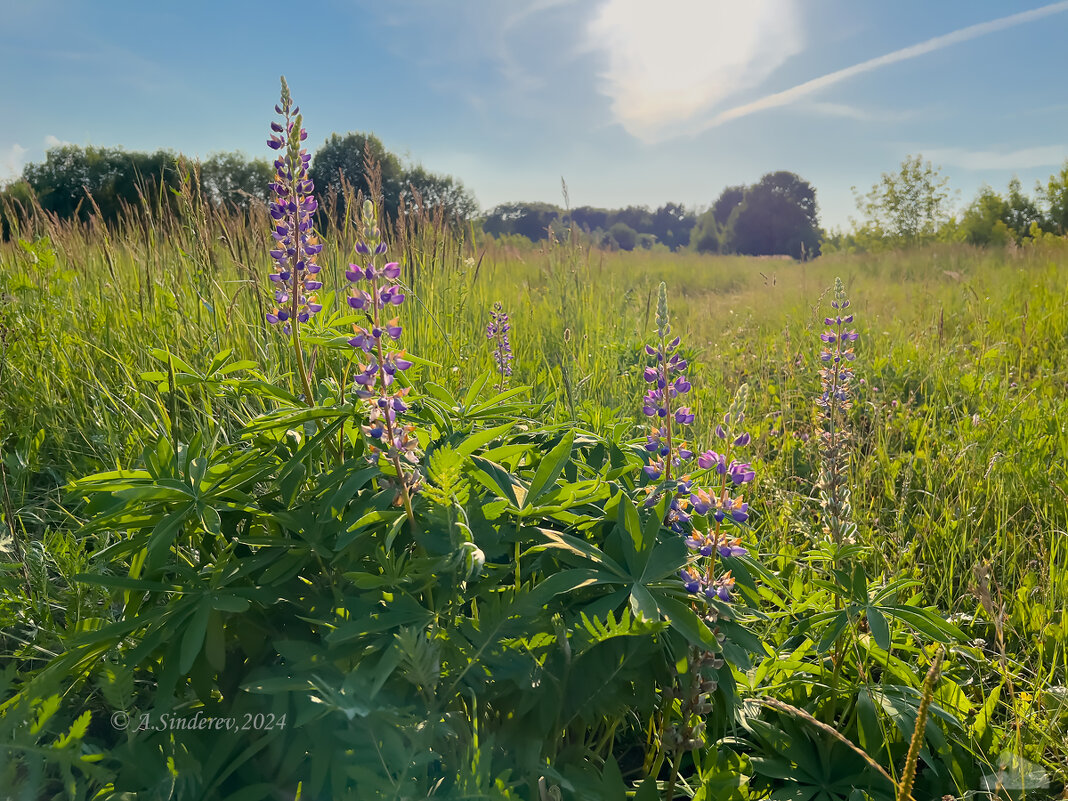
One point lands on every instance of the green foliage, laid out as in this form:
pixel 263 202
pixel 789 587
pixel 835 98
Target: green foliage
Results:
pixel 777 216
pixel 906 207
pixel 623 236
pixel 341 171
pixel 178 534
pixel 706 235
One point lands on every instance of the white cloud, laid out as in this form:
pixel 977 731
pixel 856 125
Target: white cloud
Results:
pixel 12 160
pixel 668 61
pixel 801 91
pixel 1023 159
pixel 51 141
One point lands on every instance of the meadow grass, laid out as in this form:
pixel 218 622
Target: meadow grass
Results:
pixel 959 468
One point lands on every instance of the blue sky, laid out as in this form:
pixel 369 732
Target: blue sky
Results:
pixel 630 101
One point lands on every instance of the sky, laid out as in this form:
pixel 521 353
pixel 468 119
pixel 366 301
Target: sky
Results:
pixel 628 101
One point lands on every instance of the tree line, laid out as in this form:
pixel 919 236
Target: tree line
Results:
pixel 913 206
pixel 75 182
pixel 775 216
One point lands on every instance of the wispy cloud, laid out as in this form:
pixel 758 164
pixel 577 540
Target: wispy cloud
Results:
pixel 802 91
pixel 12 159
pixel 860 114
pixel 1023 159
pixel 668 61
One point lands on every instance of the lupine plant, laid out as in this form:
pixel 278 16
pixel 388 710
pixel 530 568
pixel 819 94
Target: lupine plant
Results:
pixel 376 381
pixel 557 610
pixel 834 401
pixel 296 246
pixel 497 334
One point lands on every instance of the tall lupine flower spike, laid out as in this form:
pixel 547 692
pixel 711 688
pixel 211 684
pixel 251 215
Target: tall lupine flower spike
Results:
pixel 295 245
pixel 836 376
pixel 662 403
pixel 497 333
pixel 722 503
pixel 375 382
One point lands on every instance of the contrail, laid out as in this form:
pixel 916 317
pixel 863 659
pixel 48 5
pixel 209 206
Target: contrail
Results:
pixel 788 96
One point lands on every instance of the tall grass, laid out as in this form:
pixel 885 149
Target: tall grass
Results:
pixel 961 457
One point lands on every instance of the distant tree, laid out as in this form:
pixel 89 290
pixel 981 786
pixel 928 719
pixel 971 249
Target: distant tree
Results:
pixel 438 191
pixel 729 199
pixel 70 175
pixel 1022 210
pixel 672 224
pixel 638 218
pixel 991 219
pixel 778 216
pixel 983 221
pixel 907 206
pixel 1056 197
pixel 589 218
pixel 339 166
pixel 705 236
pixel 624 237
pixel 531 220
pixel 234 180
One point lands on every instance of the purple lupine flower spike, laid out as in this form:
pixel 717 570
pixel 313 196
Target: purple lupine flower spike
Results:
pixel 291 209
pixel 497 333
pixel 374 290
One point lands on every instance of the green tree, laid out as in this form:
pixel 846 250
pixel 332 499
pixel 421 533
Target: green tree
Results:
pixel 625 237
pixel 1022 210
pixel 434 191
pixel 234 180
pixel 729 199
pixel 531 220
pixel 907 206
pixel 705 236
pixel 340 166
pixel 983 222
pixel 672 224
pixel 72 179
pixel 1056 197
pixel 778 216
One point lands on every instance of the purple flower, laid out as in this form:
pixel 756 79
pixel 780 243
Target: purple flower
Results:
pixel 497 333
pixel 291 208
pixel 373 289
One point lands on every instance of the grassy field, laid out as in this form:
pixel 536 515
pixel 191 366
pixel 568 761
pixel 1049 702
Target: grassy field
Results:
pixel 959 463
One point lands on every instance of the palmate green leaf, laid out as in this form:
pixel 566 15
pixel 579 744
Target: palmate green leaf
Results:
pixel 687 623
pixel 124 583
pixel 162 537
pixel 494 478
pixel 546 537
pixel 635 547
pixel 838 625
pixel 666 559
pixel 880 631
pixel 926 621
pixel 552 464
pixel 478 439
pixel 643 603
pixel 193 637
pixel 567 581
pixel 496 404
pixel 475 390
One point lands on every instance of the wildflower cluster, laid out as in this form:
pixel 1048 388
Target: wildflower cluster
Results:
pixel 668 382
pixel 497 333
pixel 718 508
pixel 374 290
pixel 291 210
pixel 835 377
